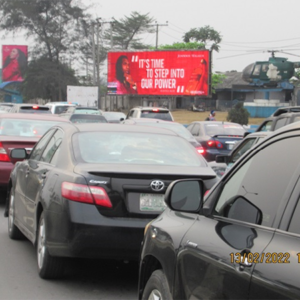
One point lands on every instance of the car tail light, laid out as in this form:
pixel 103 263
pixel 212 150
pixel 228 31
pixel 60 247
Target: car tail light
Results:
pixel 155 109
pixel 3 155
pixel 86 194
pixel 214 144
pixel 35 107
pixel 200 150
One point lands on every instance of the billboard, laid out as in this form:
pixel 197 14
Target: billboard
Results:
pixel 83 95
pixel 14 62
pixel 178 73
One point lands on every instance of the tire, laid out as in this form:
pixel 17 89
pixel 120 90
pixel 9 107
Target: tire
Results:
pixel 157 287
pixel 13 231
pixel 49 267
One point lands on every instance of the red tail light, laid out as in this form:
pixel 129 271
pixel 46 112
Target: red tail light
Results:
pixel 3 155
pixel 35 107
pixel 155 109
pixel 200 150
pixel 86 194
pixel 214 144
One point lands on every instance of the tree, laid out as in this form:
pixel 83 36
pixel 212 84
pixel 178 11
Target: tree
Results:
pixel 47 80
pixel 125 32
pixel 57 29
pixel 204 35
pixel 238 114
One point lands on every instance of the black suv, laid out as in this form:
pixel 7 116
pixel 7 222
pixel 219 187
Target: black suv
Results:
pixel 161 113
pixel 240 241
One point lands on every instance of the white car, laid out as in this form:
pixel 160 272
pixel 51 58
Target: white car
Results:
pixel 59 107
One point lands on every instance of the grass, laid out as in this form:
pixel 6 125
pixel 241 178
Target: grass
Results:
pixel 186 117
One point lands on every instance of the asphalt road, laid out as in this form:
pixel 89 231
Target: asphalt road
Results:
pixel 84 279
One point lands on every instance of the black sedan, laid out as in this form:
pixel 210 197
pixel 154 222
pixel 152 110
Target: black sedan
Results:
pixel 88 190
pixel 240 241
pixel 216 137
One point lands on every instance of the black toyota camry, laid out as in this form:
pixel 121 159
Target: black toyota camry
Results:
pixel 88 190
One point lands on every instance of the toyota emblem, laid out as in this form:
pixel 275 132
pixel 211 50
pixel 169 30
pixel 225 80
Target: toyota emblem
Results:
pixel 157 185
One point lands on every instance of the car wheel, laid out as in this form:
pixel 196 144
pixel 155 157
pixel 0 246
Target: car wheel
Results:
pixel 157 287
pixel 13 231
pixel 49 267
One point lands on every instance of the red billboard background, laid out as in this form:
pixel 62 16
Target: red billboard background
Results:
pixel 159 73
pixel 14 62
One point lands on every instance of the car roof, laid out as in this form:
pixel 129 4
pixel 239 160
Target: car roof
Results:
pixel 286 109
pixel 109 127
pixel 148 120
pixel 47 117
pixel 151 108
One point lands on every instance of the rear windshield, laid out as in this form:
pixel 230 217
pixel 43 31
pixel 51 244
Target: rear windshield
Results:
pixel 17 127
pixel 59 109
pixel 39 110
pixel 87 111
pixel 87 118
pixel 135 148
pixel 224 129
pixel 162 115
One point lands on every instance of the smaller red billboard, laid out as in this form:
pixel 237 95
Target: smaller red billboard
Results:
pixel 185 72
pixel 14 62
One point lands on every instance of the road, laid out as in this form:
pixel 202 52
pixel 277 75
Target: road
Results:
pixel 84 279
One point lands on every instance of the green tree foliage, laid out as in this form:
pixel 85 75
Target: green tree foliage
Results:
pixel 126 31
pixel 204 35
pixel 183 46
pixel 56 26
pixel 238 114
pixel 47 80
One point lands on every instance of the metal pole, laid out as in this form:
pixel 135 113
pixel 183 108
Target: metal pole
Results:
pixel 93 54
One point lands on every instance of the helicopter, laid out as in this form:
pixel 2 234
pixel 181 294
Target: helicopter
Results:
pixel 270 73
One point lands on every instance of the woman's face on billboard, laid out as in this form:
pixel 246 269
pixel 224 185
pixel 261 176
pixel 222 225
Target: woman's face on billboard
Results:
pixel 14 53
pixel 125 66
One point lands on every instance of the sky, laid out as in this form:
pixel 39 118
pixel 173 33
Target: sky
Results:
pixel 249 29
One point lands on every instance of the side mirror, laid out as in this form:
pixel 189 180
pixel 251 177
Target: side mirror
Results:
pixel 19 153
pixel 185 195
pixel 239 208
pixel 122 119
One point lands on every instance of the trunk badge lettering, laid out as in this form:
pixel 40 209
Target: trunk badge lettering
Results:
pixel 98 182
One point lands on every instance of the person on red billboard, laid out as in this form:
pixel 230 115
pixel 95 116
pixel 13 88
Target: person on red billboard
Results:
pixel 14 66
pixel 197 84
pixel 125 83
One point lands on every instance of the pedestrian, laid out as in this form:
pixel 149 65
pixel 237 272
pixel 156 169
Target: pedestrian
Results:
pixel 212 116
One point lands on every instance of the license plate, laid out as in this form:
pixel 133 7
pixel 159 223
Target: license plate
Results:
pixel 152 202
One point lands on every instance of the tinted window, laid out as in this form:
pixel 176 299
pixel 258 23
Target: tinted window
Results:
pixel 135 148
pixel 242 148
pixel 162 115
pixel 266 126
pixel 262 179
pixel 39 147
pixel 88 118
pixel 52 146
pixel 280 123
pixel 223 129
pixel 31 109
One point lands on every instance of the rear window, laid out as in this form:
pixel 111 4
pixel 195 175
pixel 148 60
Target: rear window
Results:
pixel 35 109
pixel 162 115
pixel 224 129
pixel 59 109
pixel 87 118
pixel 135 148
pixel 17 127
pixel 87 111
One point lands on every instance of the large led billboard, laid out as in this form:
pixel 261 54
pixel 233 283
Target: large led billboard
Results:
pixel 185 72
pixel 14 62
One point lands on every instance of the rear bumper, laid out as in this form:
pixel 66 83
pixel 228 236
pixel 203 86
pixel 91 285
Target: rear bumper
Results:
pixel 84 232
pixel 5 170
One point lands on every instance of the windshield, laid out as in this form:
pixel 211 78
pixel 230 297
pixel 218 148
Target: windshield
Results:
pixel 135 148
pixel 19 127
pixel 224 129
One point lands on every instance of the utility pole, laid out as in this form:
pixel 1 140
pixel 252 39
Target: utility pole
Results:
pixel 156 46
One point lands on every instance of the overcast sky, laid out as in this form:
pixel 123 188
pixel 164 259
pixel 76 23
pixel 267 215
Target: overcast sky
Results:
pixel 248 28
